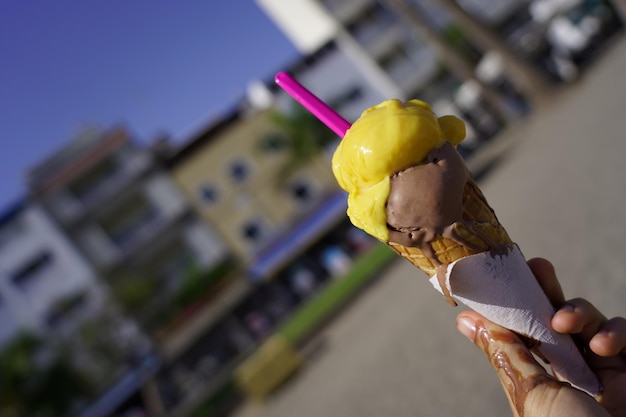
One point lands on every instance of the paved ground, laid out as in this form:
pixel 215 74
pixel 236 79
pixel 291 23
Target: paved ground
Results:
pixel 559 189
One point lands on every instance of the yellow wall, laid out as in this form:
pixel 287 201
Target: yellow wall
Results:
pixel 262 196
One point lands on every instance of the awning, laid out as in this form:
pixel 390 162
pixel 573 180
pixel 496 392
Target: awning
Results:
pixel 285 247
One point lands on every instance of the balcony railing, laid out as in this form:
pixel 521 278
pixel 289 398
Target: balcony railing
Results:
pixel 379 45
pixel 368 32
pixel 112 184
pixel 69 205
pixel 410 70
pixel 142 229
pixel 345 10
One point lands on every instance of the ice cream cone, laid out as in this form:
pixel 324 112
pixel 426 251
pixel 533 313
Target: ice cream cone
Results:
pixel 409 188
pixel 498 285
pixel 414 192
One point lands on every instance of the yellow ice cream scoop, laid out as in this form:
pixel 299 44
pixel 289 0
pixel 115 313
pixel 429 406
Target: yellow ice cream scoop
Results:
pixel 386 139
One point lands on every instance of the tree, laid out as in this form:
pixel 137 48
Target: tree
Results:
pixel 304 137
pixel 37 381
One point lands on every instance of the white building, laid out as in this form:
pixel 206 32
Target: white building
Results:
pixel 309 24
pixel 45 283
pixel 380 43
pixel 389 51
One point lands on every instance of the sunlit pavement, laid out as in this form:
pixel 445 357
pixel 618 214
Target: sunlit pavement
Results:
pixel 559 188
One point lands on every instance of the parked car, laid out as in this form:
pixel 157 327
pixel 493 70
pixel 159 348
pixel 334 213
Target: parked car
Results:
pixel 576 29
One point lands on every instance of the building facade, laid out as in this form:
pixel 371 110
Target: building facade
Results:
pixel 52 296
pixel 40 271
pixel 128 218
pixel 391 50
pixel 278 209
pixel 134 229
pixel 231 173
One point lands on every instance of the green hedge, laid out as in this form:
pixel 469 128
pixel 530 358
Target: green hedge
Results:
pixel 335 294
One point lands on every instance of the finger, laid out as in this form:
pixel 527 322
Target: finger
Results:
pixel 515 365
pixel 496 341
pixel 500 345
pixel 578 316
pixel 531 391
pixel 611 339
pixel 546 277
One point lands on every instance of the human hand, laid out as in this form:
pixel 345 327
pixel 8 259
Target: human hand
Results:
pixel 531 391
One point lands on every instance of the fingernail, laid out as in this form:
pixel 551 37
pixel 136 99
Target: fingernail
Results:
pixel 568 308
pixel 603 333
pixel 466 326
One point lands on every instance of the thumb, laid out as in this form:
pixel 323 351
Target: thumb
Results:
pixel 518 371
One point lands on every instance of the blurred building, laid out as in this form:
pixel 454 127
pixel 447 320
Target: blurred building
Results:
pixel 232 173
pixel 392 53
pixel 380 43
pixel 134 229
pixel 245 174
pixel 52 295
pixel 128 218
pixel 45 283
pixel 438 50
pixel 260 175
pixel 209 247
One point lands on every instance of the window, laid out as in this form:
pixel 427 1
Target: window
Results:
pixel 209 194
pixel 350 95
pixel 394 55
pixel 332 5
pixel 272 143
pixel 11 230
pixel 252 231
pixel 302 190
pixel 26 276
pixel 355 93
pixel 239 171
pixel 9 327
pixel 372 23
pixel 130 219
pixel 65 309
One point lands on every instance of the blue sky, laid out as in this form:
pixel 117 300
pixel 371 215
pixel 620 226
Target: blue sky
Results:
pixel 154 65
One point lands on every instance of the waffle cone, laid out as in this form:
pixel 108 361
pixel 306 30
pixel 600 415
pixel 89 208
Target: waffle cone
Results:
pixel 475 209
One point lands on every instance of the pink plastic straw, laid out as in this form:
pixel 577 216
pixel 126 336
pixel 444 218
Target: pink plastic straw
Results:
pixel 317 107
